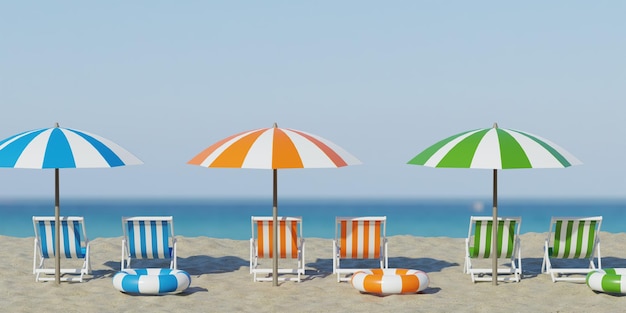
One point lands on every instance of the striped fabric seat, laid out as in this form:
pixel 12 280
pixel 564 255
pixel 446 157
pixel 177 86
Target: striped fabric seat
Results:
pixel 290 246
pixel 483 237
pixel 148 237
pixel 359 238
pixel 74 244
pixel 479 245
pixel 572 238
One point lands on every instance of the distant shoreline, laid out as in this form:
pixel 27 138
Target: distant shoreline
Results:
pixel 230 217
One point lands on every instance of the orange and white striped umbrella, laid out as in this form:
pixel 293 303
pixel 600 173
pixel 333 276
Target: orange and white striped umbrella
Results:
pixel 274 148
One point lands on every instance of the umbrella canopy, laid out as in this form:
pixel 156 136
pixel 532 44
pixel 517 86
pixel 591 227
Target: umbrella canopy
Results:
pixel 274 148
pixel 57 148
pixel 495 148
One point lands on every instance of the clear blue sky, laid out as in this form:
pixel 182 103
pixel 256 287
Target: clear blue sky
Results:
pixel 382 79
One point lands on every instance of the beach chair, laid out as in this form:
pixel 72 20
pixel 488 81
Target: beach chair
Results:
pixel 74 246
pixel 572 238
pixel 148 237
pixel 479 245
pixel 290 247
pixel 359 238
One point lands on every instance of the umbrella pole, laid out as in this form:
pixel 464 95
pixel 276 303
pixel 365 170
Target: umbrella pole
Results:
pixel 275 230
pixel 57 229
pixel 494 240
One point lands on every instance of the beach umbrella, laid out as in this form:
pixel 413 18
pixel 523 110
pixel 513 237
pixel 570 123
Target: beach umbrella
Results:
pixel 496 149
pixel 56 148
pixel 274 148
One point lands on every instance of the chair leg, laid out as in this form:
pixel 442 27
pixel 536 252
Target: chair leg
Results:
pixel 336 260
pixel 468 265
pixel 35 257
pixel 88 261
pixel 174 264
pixel 40 266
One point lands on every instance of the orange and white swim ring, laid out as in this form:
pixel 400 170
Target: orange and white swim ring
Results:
pixel 390 281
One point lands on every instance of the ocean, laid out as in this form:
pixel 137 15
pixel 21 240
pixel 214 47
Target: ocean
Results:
pixel 230 218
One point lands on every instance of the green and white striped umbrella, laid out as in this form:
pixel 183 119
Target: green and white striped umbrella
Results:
pixel 495 148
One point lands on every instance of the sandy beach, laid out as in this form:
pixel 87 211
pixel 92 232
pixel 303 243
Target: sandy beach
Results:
pixel 221 281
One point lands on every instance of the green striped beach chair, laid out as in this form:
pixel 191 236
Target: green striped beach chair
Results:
pixel 572 238
pixel 148 237
pixel 478 246
pixel 74 247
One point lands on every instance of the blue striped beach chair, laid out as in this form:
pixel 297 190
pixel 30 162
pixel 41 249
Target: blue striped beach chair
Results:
pixel 148 237
pixel 359 238
pixel 478 245
pixel 74 246
pixel 290 247
pixel 571 238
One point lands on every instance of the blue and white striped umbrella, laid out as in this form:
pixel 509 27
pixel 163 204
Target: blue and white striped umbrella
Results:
pixel 55 148
pixel 58 147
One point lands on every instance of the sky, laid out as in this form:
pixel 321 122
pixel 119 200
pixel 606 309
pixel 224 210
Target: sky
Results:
pixel 382 79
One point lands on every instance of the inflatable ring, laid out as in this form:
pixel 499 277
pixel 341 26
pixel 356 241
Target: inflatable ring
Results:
pixel 611 280
pixel 390 281
pixel 151 281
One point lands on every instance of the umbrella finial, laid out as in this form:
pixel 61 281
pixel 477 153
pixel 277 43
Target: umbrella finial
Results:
pixel 56 124
pixel 275 125
pixel 495 125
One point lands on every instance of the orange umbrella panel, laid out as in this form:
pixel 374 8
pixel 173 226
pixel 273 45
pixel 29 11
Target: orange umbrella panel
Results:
pixel 274 148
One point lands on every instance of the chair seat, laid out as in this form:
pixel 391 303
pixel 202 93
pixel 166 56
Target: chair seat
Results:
pixel 359 238
pixel 148 237
pixel 572 238
pixel 83 252
pixel 474 253
pixel 73 241
pixel 290 248
pixel 479 245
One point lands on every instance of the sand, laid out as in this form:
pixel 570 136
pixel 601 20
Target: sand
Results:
pixel 221 281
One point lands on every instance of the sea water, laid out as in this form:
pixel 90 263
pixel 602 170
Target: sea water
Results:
pixel 230 218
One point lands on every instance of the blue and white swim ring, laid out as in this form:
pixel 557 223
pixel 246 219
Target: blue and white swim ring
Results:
pixel 151 281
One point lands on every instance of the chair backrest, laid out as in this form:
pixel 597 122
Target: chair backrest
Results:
pixel 289 233
pixel 482 226
pixel 148 237
pixel 360 237
pixel 72 240
pixel 574 238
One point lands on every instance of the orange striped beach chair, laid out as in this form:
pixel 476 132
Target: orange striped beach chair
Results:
pixel 290 247
pixel 361 238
